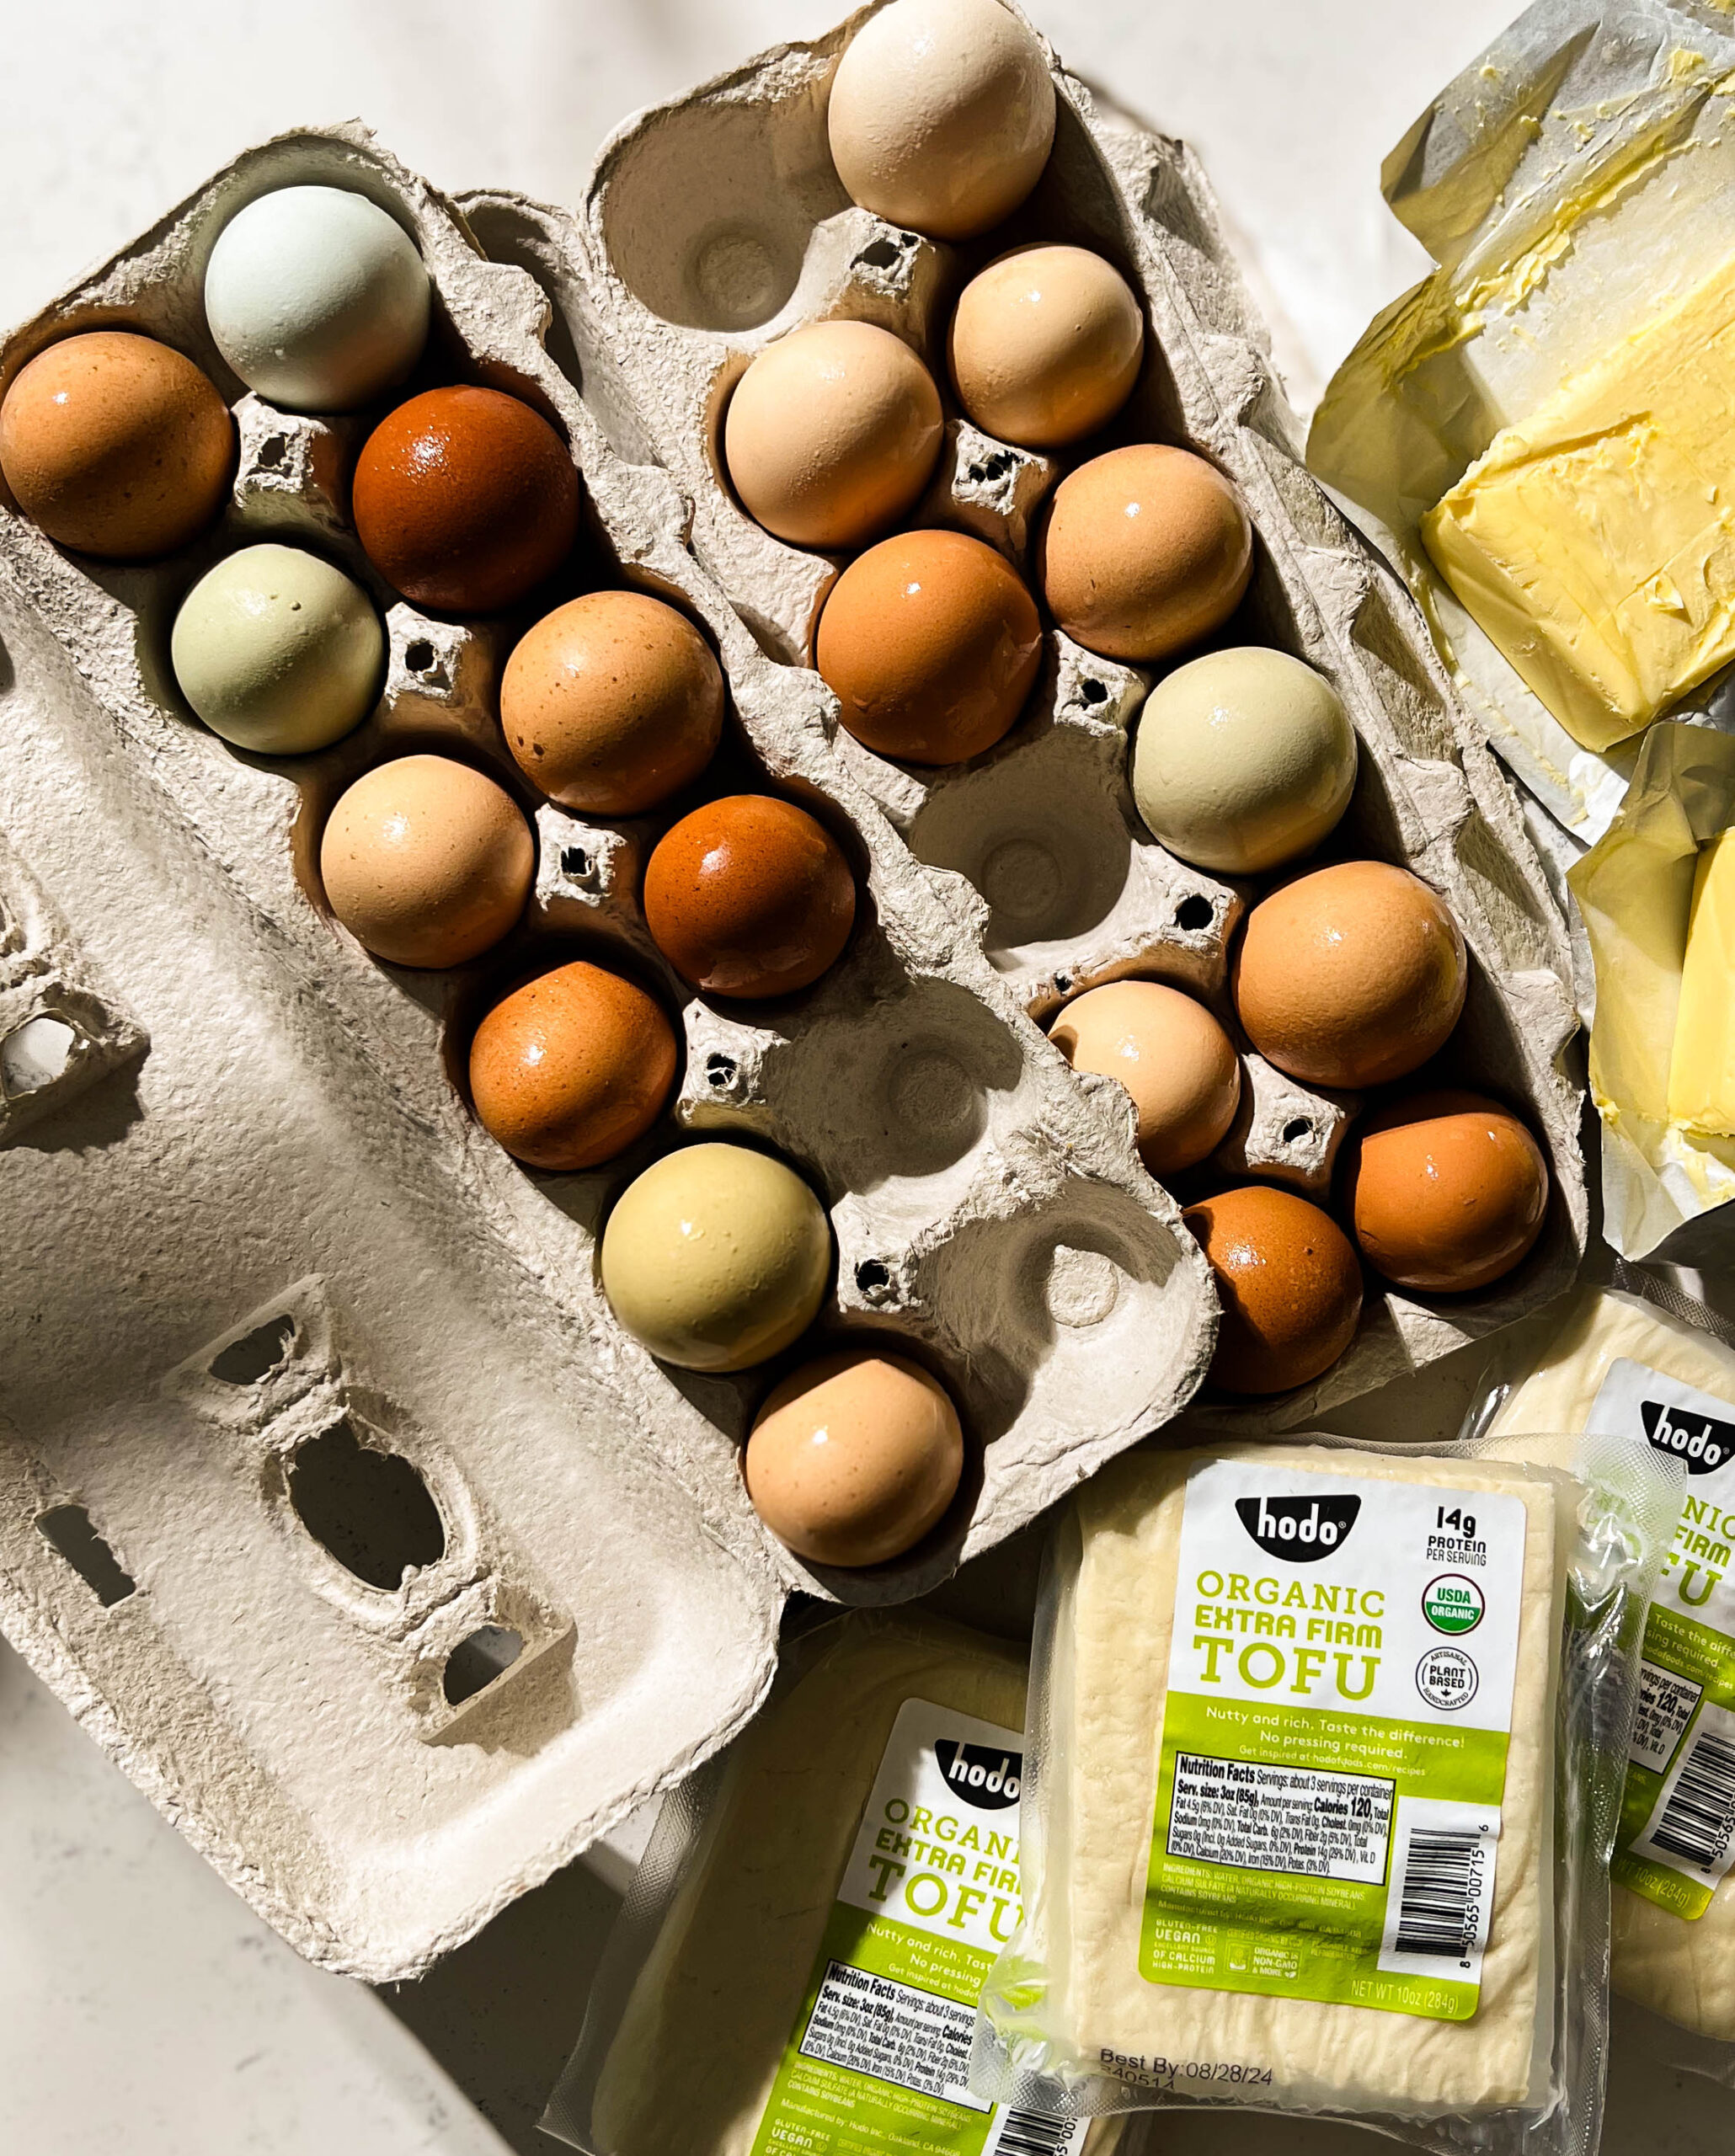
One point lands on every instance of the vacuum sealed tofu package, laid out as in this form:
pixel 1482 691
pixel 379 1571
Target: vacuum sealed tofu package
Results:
pixel 797 1967
pixel 1618 1367
pixel 1319 1793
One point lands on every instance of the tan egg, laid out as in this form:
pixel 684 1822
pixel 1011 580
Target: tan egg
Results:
pixel 1146 550
pixel 1170 1054
pixel 611 703
pixel 570 1068
pixel 1447 1192
pixel 854 1458
pixel 1289 1284
pixel 1045 344
pixel 832 435
pixel 427 862
pixel 1352 976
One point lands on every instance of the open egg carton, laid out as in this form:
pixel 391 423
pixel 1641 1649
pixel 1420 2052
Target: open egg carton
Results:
pixel 716 224
pixel 336 1503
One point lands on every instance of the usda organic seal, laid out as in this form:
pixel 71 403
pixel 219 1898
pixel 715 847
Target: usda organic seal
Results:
pixel 1453 1604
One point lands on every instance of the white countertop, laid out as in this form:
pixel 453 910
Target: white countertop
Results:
pixel 141 2005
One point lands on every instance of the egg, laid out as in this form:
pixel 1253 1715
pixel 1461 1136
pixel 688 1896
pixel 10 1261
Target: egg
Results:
pixel 611 703
pixel 1288 1283
pixel 1044 345
pixel 1170 1054
pixel 941 115
pixel 1447 1191
pixel 716 1257
pixel 1351 976
pixel 278 651
pixel 465 499
pixel 853 1458
pixel 317 298
pixel 931 643
pixel 570 1068
pixel 117 446
pixel 1244 759
pixel 832 433
pixel 1146 550
pixel 425 862
pixel 749 896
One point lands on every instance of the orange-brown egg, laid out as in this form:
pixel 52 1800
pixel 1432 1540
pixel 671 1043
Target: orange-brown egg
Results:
pixel 1447 1192
pixel 611 703
pixel 1170 1054
pixel 1146 550
pixel 1290 1287
pixel 931 643
pixel 1044 345
pixel 854 1458
pixel 1352 976
pixel 569 1069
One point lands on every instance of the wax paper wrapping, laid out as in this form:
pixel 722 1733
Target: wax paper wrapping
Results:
pixel 1634 888
pixel 1575 180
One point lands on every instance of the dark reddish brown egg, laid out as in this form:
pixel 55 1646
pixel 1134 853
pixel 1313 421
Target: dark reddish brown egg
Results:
pixel 1290 1287
pixel 1447 1192
pixel 749 896
pixel 465 499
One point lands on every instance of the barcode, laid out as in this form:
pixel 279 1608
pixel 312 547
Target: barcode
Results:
pixel 1033 2133
pixel 1441 1894
pixel 1699 1815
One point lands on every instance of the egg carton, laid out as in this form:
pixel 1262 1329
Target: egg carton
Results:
pixel 333 1499
pixel 715 225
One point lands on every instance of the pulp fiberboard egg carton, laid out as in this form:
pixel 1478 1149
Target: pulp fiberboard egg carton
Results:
pixel 715 225
pixel 336 1503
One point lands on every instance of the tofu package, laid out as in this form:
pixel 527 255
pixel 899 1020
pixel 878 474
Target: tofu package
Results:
pixel 1618 1367
pixel 1322 1774
pixel 796 1964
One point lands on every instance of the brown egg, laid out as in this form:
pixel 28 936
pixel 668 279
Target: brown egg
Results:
pixel 1290 1287
pixel 426 862
pixel 117 446
pixel 749 896
pixel 832 433
pixel 1045 345
pixel 1145 551
pixel 931 642
pixel 465 499
pixel 1352 976
pixel 569 1069
pixel 1170 1054
pixel 854 1458
pixel 1447 1190
pixel 611 703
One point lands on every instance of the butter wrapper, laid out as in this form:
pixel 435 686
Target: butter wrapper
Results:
pixel 1573 184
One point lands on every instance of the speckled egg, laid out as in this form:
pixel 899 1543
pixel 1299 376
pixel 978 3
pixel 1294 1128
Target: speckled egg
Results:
pixel 1244 759
pixel 1146 550
pixel 749 896
pixel 117 446
pixel 1352 976
pixel 941 115
pixel 1044 345
pixel 425 862
pixel 611 703
pixel 832 433
pixel 1289 1284
pixel 571 1068
pixel 465 499
pixel 716 1257
pixel 278 651
pixel 931 643
pixel 1170 1054
pixel 317 298
pixel 1447 1192
pixel 854 1458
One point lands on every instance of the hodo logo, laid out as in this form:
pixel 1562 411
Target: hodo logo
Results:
pixel 1701 1440
pixel 1303 1529
pixel 982 1774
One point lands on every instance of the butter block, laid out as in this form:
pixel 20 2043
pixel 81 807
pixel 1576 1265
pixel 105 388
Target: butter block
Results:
pixel 1701 1071
pixel 1595 542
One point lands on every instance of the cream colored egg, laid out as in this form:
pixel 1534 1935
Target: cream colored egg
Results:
pixel 1045 345
pixel 1170 1054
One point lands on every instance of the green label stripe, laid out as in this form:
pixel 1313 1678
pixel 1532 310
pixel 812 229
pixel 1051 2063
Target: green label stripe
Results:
pixel 1424 1759
pixel 1685 1648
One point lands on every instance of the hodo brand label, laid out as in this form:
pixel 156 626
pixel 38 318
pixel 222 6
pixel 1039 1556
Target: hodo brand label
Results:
pixel 986 1775
pixel 1705 1441
pixel 1303 1529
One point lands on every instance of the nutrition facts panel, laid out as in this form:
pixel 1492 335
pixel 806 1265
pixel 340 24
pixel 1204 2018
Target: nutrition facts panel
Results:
pixel 875 2025
pixel 1266 1818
